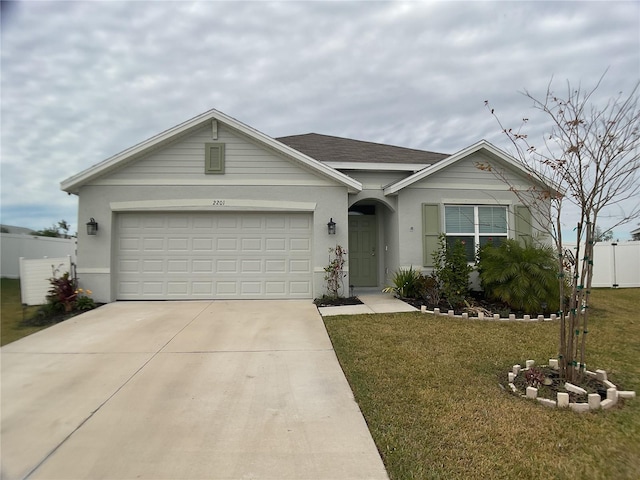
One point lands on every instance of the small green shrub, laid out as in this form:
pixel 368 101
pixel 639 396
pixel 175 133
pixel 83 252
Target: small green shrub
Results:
pixel 452 271
pixel 84 301
pixel 524 277
pixel 406 283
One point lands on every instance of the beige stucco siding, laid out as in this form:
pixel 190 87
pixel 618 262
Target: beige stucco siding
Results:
pixel 182 162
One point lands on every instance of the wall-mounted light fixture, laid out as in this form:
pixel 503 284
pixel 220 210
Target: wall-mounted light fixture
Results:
pixel 331 227
pixel 92 226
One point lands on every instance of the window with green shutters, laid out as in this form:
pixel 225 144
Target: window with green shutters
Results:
pixel 474 225
pixel 214 158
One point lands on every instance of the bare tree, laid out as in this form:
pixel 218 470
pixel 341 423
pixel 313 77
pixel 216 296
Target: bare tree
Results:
pixel 591 158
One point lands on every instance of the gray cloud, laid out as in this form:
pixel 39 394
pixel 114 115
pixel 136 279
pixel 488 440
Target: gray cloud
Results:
pixel 84 80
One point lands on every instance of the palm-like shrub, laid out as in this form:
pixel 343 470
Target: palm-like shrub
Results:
pixel 406 283
pixel 524 277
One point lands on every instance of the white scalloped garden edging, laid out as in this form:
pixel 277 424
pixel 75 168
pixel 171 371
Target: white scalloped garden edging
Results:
pixel 593 402
pixel 495 316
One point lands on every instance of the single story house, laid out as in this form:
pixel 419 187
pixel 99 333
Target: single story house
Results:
pixel 214 209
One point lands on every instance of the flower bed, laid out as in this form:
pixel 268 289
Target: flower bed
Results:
pixel 595 392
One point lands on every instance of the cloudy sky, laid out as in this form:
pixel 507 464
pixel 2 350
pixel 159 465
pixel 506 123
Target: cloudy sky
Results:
pixel 82 81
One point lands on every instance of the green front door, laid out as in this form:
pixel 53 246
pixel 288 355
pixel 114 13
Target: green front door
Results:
pixel 363 251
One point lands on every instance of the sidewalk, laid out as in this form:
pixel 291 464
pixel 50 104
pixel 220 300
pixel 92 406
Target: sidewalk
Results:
pixel 373 301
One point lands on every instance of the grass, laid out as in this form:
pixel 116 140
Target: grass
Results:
pixel 428 388
pixel 12 314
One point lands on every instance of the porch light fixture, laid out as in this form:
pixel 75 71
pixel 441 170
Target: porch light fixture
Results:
pixel 331 227
pixel 92 226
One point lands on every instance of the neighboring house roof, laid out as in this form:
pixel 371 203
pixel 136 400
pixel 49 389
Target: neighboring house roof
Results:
pixel 329 149
pixel 16 230
pixel 482 146
pixel 73 183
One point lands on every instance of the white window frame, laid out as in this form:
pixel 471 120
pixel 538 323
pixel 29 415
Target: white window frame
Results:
pixel 476 224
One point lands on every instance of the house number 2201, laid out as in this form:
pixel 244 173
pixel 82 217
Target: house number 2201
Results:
pixel 218 203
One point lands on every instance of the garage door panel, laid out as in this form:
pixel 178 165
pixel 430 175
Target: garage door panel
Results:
pixel 153 266
pixel 300 245
pixel 276 245
pixel 213 255
pixel 177 266
pixel 251 266
pixel 251 245
pixel 153 244
pixel 177 244
pixel 227 266
pixel 275 266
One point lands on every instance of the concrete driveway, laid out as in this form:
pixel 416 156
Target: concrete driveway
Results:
pixel 182 390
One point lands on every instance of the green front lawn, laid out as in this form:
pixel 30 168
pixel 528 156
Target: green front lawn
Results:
pixel 429 390
pixel 12 313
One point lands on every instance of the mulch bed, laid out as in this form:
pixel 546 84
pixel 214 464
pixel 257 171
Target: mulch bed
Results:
pixel 336 302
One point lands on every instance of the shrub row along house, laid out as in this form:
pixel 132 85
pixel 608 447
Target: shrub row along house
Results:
pixel 214 209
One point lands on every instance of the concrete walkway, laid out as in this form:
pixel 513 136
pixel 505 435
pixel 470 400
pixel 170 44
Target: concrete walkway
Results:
pixel 373 301
pixel 183 390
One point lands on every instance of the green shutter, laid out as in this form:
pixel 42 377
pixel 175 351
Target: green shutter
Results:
pixel 523 228
pixel 214 158
pixel 430 232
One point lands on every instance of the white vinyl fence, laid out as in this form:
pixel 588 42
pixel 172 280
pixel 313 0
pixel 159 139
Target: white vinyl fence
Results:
pixel 35 274
pixel 615 264
pixel 13 246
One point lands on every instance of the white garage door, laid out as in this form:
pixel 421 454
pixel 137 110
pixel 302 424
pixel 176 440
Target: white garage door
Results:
pixel 213 255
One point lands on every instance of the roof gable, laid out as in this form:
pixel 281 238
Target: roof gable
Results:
pixel 72 184
pixel 482 146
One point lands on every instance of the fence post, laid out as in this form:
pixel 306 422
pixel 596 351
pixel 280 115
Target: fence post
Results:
pixel 613 245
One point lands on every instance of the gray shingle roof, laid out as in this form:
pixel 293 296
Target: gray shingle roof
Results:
pixel 326 148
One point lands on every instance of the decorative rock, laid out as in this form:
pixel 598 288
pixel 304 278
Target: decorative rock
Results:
pixel 512 377
pixel 540 318
pixel 450 313
pixel 527 318
pixel 575 389
pixel 626 394
pixel 423 309
pixel 609 384
pixel 546 402
pixel 512 316
pixel 532 392
pixel 436 311
pixel 589 373
pixel 480 315
pixel 563 399
pixel 465 315
pixel 530 363
pixel 601 375
pixel 579 407
pixel 594 401
pixel 553 363
pixel 606 404
pixel 553 316
pixel 496 316
pixel 516 369
pixel 612 394
pixel 513 388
